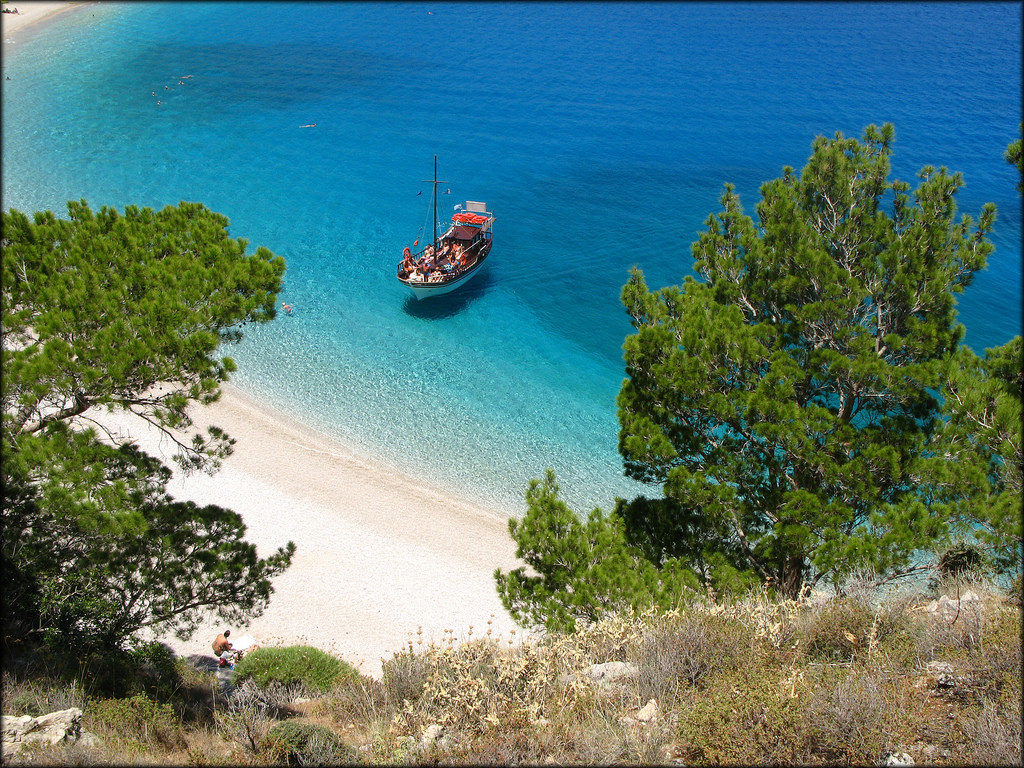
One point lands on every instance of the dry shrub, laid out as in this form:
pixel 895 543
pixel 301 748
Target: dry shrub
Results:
pixel 600 740
pixel 957 636
pixel 248 718
pixel 997 660
pixel 481 685
pixel 64 753
pixel 605 640
pixel 299 742
pixel 356 699
pixel 995 733
pixel 40 696
pixel 836 630
pixel 477 686
pixel 206 746
pixel 845 718
pixel 518 747
pixel 403 677
pixel 679 650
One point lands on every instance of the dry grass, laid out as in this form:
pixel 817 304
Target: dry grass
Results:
pixel 757 681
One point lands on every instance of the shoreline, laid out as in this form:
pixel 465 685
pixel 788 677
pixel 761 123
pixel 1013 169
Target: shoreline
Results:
pixel 34 12
pixel 379 555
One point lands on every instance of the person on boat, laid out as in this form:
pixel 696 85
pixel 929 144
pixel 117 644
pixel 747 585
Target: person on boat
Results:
pixel 407 263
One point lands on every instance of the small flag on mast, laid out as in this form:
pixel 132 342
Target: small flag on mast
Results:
pixel 416 242
pixel 448 192
pixel 419 193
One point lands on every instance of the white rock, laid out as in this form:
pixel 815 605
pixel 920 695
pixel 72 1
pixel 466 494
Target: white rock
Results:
pixel 899 758
pixel 940 668
pixel 610 672
pixel 649 712
pixel 430 735
pixel 51 728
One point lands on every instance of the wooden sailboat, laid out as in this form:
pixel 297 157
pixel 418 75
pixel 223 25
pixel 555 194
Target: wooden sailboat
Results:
pixel 451 260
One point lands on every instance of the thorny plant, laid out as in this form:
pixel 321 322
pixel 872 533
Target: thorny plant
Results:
pixel 248 717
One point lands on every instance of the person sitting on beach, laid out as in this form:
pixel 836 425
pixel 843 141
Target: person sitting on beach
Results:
pixel 222 644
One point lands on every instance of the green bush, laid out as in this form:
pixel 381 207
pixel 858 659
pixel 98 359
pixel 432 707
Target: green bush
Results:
pixel 156 670
pixel 136 720
pixel 296 742
pixel 746 718
pixel 292 666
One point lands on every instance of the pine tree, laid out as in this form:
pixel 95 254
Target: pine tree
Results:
pixel 787 399
pixel 121 312
pixel 581 569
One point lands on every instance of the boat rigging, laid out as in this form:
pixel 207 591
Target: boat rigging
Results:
pixel 450 260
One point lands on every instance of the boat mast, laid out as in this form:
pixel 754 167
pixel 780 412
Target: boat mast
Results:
pixel 435 182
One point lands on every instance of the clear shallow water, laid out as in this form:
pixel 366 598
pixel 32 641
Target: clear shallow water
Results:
pixel 599 134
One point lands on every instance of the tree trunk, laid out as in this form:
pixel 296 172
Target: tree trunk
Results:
pixel 791 576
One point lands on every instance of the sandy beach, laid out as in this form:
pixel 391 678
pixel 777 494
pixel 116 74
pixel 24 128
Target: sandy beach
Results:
pixel 379 556
pixel 33 12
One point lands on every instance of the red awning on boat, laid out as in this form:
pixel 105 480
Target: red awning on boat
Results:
pixel 468 218
pixel 466 233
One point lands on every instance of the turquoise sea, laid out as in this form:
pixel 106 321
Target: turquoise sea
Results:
pixel 600 134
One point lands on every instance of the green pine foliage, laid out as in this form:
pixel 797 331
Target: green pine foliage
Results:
pixel 977 462
pixel 110 311
pixel 786 400
pixel 578 571
pixel 1015 156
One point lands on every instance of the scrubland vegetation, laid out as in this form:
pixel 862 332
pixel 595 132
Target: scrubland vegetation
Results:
pixel 825 680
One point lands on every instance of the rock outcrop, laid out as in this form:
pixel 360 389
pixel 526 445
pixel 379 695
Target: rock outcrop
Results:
pixel 53 728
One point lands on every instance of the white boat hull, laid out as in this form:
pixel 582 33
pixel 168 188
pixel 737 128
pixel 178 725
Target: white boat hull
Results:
pixel 425 290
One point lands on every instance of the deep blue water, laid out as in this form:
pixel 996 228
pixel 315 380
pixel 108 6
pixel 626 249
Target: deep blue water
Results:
pixel 600 135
